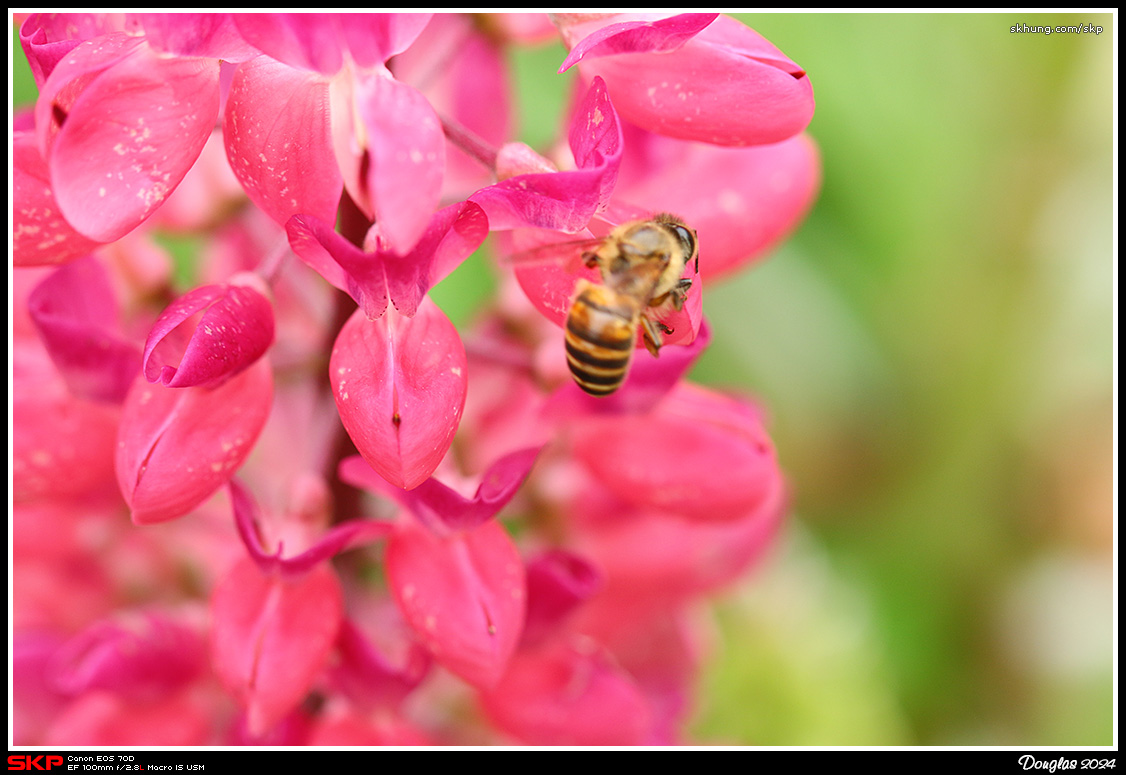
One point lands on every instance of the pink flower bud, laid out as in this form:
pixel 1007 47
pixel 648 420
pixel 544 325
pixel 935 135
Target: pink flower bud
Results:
pixel 271 637
pixel 463 595
pixel 176 446
pixel 226 327
pixel 399 384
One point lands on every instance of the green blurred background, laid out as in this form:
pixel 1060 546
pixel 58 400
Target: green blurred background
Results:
pixel 935 348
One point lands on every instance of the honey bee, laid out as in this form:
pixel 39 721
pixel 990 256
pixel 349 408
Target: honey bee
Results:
pixel 641 263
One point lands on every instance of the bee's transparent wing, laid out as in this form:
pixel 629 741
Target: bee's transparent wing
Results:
pixel 532 247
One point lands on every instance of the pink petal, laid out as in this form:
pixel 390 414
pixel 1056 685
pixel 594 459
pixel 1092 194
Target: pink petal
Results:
pixel 339 538
pixel 742 201
pixel 564 201
pixel 558 582
pixel 441 508
pixel 136 126
pixel 527 28
pixel 279 141
pixel 357 729
pixel 568 694
pixel 137 655
pixel 40 234
pixel 368 678
pixel 61 445
pixel 370 277
pixel 316 41
pixel 338 261
pixel 636 37
pixel 105 719
pixel 400 384
pixel 76 315
pixel 664 557
pixel 235 328
pixel 176 446
pixel 727 85
pixel 397 177
pixel 35 700
pixel 271 637
pixel 660 647
pixel 291 729
pixel 463 595
pixel 471 88
pixel 694 455
pixel 48 37
pixel 195 34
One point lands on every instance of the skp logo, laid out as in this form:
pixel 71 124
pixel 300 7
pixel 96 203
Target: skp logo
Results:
pixel 27 762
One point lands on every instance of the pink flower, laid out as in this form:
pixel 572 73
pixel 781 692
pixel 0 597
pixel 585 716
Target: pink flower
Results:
pixel 692 76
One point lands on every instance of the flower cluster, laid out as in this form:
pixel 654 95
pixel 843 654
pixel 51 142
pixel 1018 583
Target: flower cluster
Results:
pixel 215 544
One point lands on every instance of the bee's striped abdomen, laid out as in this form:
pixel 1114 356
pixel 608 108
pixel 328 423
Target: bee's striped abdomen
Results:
pixel 600 335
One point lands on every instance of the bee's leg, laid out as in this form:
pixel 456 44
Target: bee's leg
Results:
pixel 651 335
pixel 677 295
pixel 680 292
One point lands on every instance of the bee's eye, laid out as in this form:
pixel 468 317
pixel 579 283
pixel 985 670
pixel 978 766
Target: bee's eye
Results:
pixel 686 237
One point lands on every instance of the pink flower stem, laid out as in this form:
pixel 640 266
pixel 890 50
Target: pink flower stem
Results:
pixel 469 142
pixel 270 266
pixel 353 225
pixel 490 349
